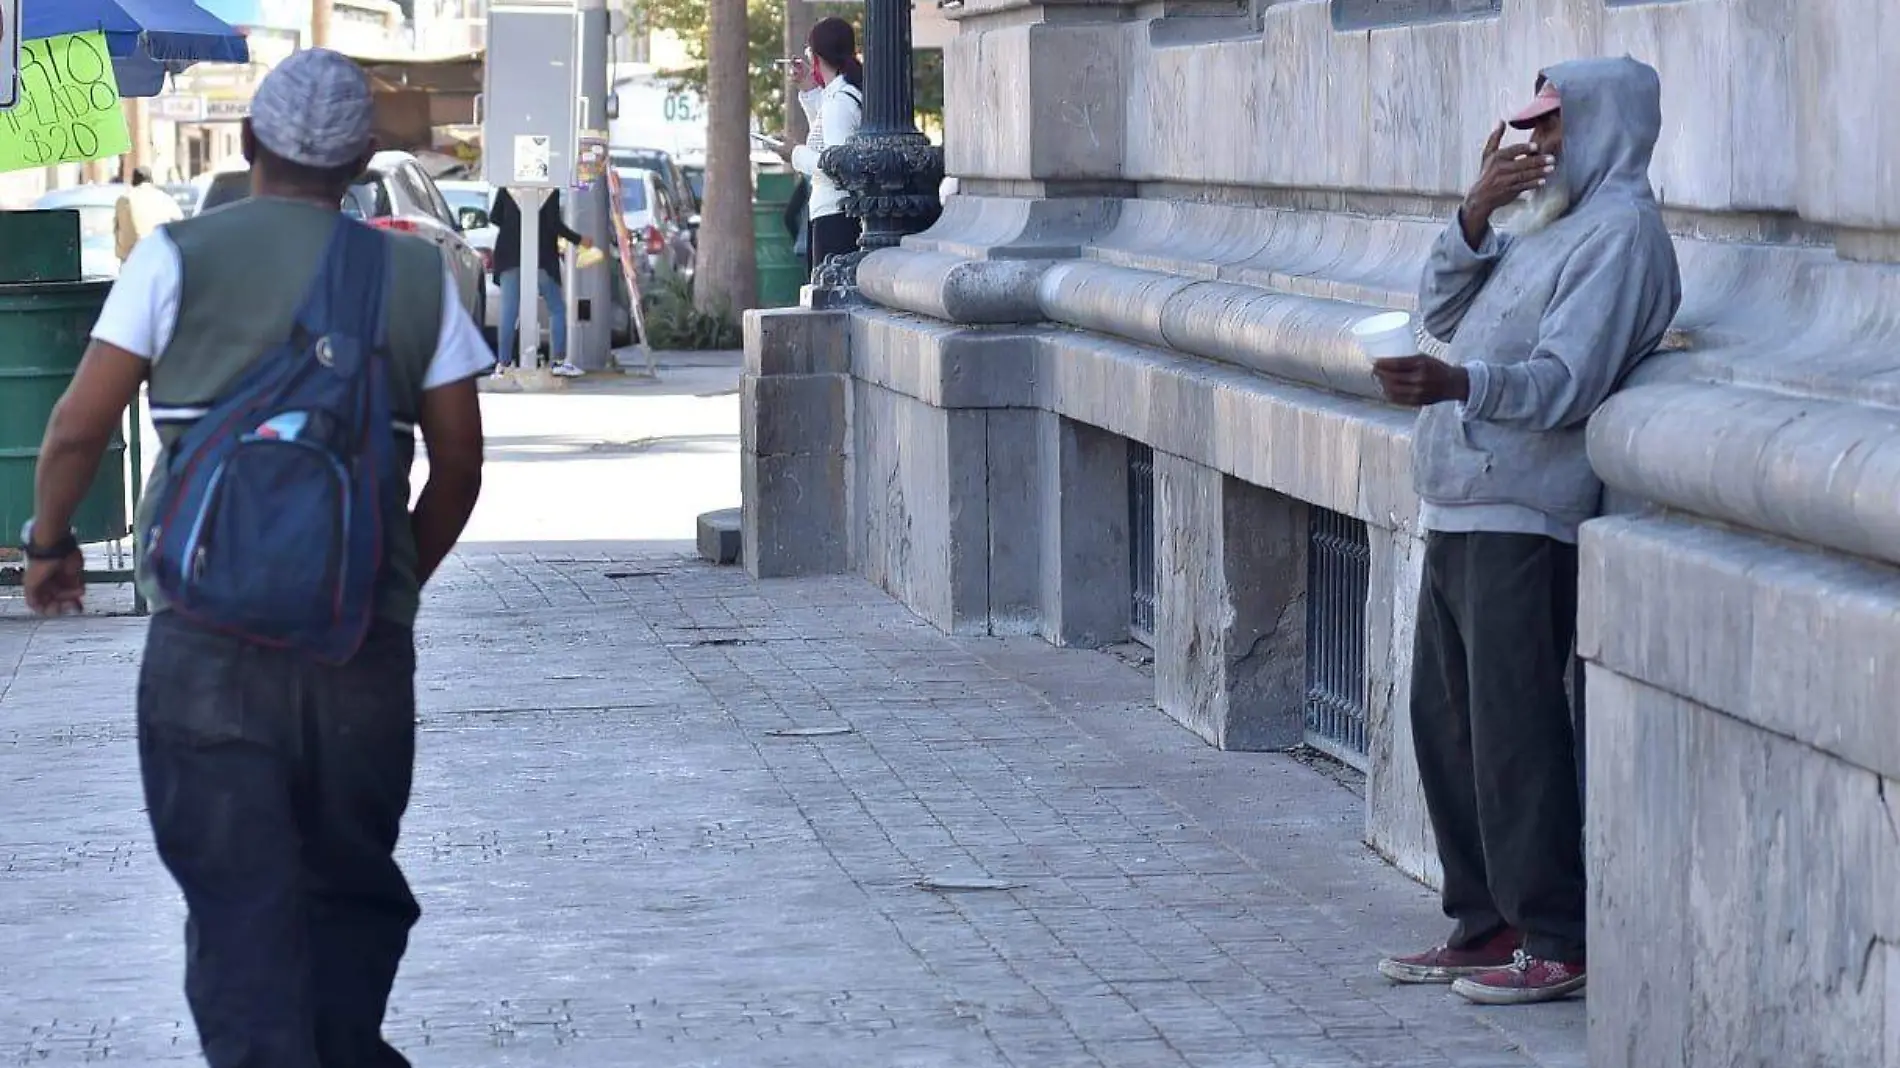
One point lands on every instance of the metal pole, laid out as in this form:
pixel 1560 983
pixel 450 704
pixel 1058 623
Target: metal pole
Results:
pixel 528 335
pixel 889 100
pixel 591 289
pixel 890 169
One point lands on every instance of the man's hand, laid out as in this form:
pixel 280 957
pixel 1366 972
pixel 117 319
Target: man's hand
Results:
pixel 56 587
pixel 1508 173
pixel 1417 381
pixel 784 149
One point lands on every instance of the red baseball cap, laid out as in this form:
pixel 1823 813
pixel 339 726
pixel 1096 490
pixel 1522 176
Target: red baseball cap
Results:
pixel 1543 104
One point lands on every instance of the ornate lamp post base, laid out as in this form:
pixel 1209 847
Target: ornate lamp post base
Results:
pixel 893 179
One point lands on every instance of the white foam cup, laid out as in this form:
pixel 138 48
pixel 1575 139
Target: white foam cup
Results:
pixel 1386 335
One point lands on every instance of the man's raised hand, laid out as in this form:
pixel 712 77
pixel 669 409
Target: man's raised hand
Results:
pixel 1508 172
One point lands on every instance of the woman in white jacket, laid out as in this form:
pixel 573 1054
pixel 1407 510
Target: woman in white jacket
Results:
pixel 834 105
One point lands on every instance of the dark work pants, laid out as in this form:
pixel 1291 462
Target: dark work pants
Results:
pixel 276 787
pixel 833 235
pixel 1492 725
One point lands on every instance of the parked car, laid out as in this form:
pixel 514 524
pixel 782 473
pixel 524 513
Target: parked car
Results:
pixel 661 162
pixel 98 207
pixel 393 194
pixel 662 238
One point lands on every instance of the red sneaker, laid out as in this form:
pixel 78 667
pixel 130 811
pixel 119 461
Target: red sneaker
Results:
pixel 1444 964
pixel 1528 980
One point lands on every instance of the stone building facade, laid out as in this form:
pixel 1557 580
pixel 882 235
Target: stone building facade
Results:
pixel 1111 393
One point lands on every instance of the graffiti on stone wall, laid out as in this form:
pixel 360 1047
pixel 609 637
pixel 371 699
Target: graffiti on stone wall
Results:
pixel 1365 14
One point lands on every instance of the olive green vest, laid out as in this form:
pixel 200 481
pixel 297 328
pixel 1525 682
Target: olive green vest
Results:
pixel 245 271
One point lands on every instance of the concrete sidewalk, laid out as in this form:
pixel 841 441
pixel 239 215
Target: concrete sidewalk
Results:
pixel 668 816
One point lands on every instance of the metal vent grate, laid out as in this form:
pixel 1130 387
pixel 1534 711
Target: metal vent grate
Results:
pixel 1338 575
pixel 1141 542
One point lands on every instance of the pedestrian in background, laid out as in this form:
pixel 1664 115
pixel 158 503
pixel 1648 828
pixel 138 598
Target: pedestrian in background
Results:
pixel 287 376
pixel 834 104
pixel 143 209
pixel 553 229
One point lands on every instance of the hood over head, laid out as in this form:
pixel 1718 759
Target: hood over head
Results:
pixel 1612 115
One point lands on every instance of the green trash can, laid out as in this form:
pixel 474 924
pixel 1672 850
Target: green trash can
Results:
pixel 44 329
pixel 780 275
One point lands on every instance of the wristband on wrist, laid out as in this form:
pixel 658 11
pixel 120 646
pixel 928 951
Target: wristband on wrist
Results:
pixel 66 546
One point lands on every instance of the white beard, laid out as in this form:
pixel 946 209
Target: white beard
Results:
pixel 1545 206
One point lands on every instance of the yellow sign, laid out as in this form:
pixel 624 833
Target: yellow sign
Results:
pixel 69 109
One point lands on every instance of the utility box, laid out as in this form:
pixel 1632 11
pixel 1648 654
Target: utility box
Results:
pixel 531 94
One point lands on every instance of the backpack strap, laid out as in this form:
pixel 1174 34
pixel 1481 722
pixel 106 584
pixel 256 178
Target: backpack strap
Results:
pixel 350 294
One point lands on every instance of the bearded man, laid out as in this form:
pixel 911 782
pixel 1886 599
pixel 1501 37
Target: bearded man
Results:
pixel 1542 325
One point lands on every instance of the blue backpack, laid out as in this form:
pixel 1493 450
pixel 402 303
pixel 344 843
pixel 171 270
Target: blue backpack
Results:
pixel 271 524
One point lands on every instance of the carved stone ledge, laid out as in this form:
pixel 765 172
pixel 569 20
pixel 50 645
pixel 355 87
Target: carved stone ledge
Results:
pixel 952 288
pixel 1822 472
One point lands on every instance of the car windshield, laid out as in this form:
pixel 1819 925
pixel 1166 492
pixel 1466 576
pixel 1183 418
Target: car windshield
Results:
pixel 650 159
pixel 633 191
pixel 463 198
pixel 361 202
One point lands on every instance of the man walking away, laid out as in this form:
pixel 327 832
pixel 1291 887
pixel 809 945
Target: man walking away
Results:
pixel 276 701
pixel 1543 324
pixel 507 220
pixel 143 209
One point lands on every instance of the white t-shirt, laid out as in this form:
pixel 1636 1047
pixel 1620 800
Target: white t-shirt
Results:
pixel 142 311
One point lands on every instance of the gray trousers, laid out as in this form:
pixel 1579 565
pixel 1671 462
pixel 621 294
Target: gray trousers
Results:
pixel 1496 740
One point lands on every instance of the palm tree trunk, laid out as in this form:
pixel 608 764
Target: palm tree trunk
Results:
pixel 727 273
pixel 800 15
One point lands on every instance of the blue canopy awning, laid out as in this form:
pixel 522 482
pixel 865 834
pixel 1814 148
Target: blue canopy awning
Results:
pixel 147 38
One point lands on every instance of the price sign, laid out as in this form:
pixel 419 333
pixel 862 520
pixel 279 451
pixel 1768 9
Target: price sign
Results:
pixel 69 109
pixel 9 53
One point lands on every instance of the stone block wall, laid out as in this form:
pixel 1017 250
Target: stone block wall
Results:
pixel 1744 796
pixel 1230 607
pixel 1769 104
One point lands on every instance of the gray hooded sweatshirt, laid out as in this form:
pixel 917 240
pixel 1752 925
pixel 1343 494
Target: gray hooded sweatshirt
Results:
pixel 1548 324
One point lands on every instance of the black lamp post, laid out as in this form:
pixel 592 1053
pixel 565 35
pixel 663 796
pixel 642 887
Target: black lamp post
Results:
pixel 889 170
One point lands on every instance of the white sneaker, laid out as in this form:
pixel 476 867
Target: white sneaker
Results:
pixel 566 370
pixel 500 371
